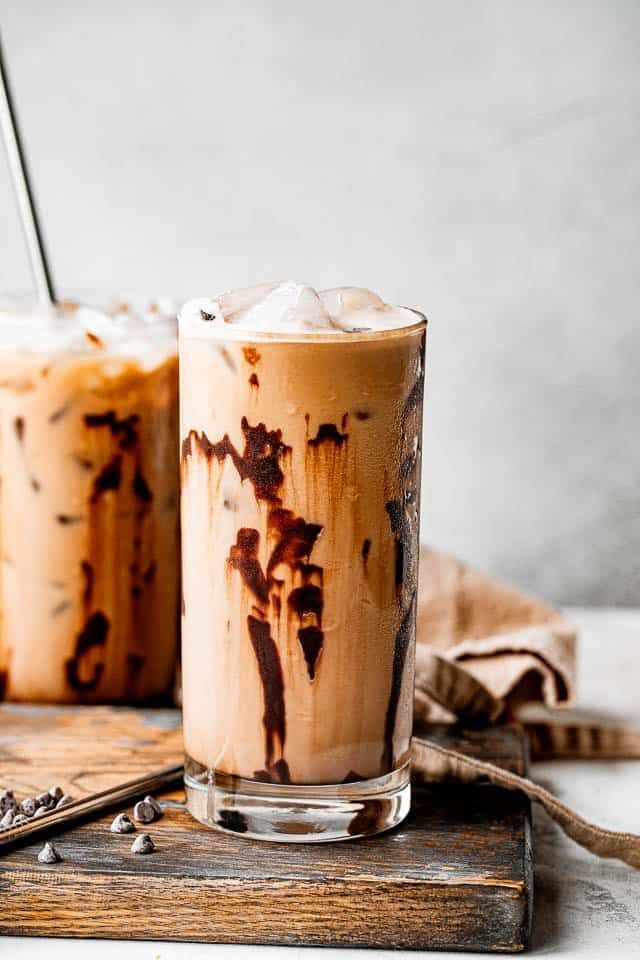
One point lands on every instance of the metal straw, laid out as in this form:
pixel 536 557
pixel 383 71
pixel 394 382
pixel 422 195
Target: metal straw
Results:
pixel 89 808
pixel 22 187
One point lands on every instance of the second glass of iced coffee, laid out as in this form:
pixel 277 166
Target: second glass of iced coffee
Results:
pixel 301 423
pixel 88 502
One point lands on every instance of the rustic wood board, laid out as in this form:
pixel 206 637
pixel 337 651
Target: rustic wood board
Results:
pixel 456 875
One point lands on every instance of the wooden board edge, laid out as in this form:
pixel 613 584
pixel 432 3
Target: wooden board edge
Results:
pixel 492 916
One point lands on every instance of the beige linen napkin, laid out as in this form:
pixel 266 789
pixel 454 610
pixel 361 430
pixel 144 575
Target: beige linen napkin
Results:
pixel 484 651
pixel 517 649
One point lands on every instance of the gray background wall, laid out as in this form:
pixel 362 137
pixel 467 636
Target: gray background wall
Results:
pixel 478 159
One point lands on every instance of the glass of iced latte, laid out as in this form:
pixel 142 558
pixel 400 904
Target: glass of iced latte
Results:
pixel 301 422
pixel 88 502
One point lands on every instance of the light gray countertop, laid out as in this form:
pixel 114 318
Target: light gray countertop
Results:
pixel 584 907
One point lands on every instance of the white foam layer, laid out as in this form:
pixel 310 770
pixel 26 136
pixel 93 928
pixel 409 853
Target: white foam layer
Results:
pixel 294 309
pixel 123 327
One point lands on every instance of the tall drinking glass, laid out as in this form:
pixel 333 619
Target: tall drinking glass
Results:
pixel 89 570
pixel 300 481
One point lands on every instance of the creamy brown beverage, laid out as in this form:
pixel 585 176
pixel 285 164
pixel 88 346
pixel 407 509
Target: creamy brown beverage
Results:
pixel 88 502
pixel 301 429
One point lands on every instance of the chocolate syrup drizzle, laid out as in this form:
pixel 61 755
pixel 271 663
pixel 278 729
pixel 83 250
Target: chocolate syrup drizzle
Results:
pixel 251 355
pixel 293 540
pixel 366 547
pixel 259 462
pixel 307 602
pixel 328 433
pixel 403 638
pixel 19 427
pixel 270 670
pixel 93 634
pixel 109 478
pixel 243 556
pixel 404 518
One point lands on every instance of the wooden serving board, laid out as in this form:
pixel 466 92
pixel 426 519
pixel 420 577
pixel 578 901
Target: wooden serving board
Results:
pixel 456 875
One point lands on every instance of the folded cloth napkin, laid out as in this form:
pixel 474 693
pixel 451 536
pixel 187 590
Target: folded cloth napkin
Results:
pixel 513 648
pixel 484 650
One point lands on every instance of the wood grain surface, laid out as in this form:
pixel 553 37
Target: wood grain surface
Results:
pixel 456 875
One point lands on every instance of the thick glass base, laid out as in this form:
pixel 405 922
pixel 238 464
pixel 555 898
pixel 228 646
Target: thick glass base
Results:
pixel 297 814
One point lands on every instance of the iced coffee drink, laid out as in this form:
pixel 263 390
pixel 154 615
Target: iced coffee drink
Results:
pixel 88 502
pixel 300 472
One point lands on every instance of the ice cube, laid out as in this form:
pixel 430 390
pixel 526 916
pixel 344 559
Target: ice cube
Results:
pixel 234 303
pixel 347 299
pixel 287 306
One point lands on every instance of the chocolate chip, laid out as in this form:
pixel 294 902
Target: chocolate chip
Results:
pixel 56 793
pixel 143 812
pixel 143 844
pixel 49 854
pixel 64 801
pixel 7 820
pixel 123 824
pixel 29 806
pixel 154 803
pixel 7 801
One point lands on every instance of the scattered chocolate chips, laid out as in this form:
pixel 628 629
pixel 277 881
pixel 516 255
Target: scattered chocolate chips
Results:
pixel 143 844
pixel 64 801
pixel 123 824
pixel 143 812
pixel 49 854
pixel 7 801
pixel 154 803
pixel 14 814
pixel 29 806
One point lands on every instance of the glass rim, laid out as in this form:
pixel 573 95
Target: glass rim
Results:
pixel 230 334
